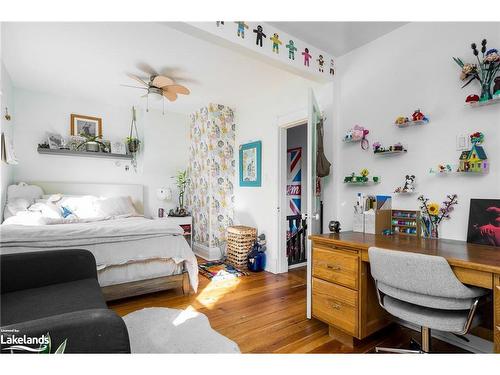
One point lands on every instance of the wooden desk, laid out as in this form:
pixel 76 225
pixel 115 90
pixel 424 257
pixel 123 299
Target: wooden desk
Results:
pixel 343 292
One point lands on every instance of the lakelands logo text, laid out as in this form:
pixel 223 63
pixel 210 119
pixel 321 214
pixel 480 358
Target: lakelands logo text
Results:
pixel 24 343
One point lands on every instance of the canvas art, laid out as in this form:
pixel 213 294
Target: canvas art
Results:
pixel 250 164
pixel 484 222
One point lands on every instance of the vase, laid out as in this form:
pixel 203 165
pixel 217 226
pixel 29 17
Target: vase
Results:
pixel 430 229
pixel 485 92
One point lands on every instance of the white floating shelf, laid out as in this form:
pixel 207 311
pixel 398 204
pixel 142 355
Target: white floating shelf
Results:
pixel 482 104
pixel 363 183
pixel 391 152
pixel 87 154
pixel 411 123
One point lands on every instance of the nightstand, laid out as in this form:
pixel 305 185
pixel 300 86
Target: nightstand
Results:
pixel 185 222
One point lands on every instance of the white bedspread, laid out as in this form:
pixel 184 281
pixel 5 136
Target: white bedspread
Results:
pixel 21 238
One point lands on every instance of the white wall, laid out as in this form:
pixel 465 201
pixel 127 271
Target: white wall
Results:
pixel 165 144
pixel 411 68
pixel 297 137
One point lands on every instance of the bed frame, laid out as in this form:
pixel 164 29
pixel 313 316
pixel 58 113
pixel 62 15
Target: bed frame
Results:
pixel 136 192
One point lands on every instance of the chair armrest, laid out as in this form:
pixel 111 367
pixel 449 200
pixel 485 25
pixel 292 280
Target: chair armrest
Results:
pixel 86 331
pixel 41 268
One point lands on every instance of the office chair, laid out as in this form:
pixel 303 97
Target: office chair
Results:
pixel 423 290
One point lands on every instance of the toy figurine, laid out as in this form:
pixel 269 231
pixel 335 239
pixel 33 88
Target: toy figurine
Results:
pixel 409 186
pixel 276 42
pixel 358 133
pixel 334 226
pixel 321 62
pixel 332 70
pixel 219 23
pixel 418 116
pixel 401 120
pixel 475 159
pixel 291 49
pixel 307 56
pixel 472 99
pixel 241 28
pixel 496 88
pixel 260 34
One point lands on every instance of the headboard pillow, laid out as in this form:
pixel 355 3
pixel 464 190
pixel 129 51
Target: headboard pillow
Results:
pixel 20 197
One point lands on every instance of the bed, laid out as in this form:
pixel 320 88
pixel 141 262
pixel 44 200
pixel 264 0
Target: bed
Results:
pixel 134 255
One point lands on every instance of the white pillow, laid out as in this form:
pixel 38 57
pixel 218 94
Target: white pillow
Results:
pixel 115 206
pixel 47 209
pixel 16 205
pixel 82 206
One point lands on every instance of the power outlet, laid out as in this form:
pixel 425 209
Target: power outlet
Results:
pixel 462 142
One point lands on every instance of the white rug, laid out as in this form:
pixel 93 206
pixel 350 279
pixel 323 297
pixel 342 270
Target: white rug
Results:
pixel 162 330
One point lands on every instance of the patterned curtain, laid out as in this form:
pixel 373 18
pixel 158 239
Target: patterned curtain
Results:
pixel 212 173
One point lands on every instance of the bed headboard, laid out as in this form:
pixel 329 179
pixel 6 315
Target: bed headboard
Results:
pixel 135 192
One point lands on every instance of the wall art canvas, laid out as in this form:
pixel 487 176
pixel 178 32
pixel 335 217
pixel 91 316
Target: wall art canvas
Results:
pixel 484 222
pixel 250 164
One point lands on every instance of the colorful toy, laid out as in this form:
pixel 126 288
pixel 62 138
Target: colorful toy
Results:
pixel 307 56
pixel 241 28
pixel 291 49
pixel 332 70
pixel 475 159
pixel 321 62
pixel 260 34
pixel 394 149
pixel 361 179
pixel 472 99
pixel 417 118
pixel 357 133
pixel 408 187
pixel 401 120
pixel 442 168
pixel 276 42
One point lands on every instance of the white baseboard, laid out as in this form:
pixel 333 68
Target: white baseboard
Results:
pixel 207 253
pixel 298 265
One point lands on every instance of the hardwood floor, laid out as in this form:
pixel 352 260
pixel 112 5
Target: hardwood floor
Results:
pixel 265 313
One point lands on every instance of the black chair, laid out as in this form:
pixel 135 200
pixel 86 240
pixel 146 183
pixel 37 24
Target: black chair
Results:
pixel 57 292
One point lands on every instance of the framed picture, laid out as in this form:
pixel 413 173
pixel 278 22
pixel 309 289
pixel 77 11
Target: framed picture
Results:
pixel 484 222
pixel 118 148
pixel 251 164
pixel 55 141
pixel 86 125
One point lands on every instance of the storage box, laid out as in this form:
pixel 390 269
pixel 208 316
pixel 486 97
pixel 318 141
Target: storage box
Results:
pixel 240 240
pixel 358 224
pixel 375 222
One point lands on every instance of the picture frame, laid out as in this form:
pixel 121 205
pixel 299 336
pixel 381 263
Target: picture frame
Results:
pixel 250 165
pixel 55 141
pixel 484 222
pixel 88 125
pixel 118 148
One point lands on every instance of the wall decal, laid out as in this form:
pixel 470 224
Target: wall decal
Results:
pixel 332 70
pixel 219 23
pixel 241 28
pixel 260 34
pixel 291 49
pixel 321 62
pixel 276 42
pixel 307 56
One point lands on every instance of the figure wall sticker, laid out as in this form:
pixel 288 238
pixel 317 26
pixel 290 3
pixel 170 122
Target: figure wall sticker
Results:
pixel 260 34
pixel 307 56
pixel 276 42
pixel 291 49
pixel 241 28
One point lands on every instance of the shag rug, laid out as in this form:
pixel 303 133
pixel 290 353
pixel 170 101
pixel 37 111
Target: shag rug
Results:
pixel 162 330
pixel 220 271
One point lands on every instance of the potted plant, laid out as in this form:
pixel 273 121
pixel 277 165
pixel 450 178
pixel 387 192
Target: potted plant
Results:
pixel 133 144
pixel 92 143
pixel 181 181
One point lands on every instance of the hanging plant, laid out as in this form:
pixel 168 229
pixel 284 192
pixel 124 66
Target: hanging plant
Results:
pixel 132 141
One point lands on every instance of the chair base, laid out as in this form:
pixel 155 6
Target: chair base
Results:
pixel 420 348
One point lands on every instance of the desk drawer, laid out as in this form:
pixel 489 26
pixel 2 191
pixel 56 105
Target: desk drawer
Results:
pixel 336 266
pixel 335 305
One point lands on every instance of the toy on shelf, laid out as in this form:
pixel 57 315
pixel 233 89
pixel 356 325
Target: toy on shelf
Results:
pixel 442 169
pixel 417 118
pixel 357 134
pixel 406 222
pixel 475 159
pixel 397 148
pixel 408 187
pixel 361 179
pixel 471 99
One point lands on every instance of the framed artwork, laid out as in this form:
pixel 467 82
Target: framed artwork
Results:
pixel 251 164
pixel 484 222
pixel 86 125
pixel 118 148
pixel 55 141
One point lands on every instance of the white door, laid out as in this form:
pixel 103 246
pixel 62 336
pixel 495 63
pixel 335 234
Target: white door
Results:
pixel 313 198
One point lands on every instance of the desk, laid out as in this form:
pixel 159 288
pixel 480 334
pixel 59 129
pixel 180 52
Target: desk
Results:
pixel 343 292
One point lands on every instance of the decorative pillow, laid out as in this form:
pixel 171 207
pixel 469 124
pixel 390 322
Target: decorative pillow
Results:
pixel 115 206
pixel 47 209
pixel 81 206
pixel 16 205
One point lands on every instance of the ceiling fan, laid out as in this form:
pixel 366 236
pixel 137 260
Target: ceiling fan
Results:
pixel 160 85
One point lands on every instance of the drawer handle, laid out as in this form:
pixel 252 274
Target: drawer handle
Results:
pixel 333 267
pixel 336 306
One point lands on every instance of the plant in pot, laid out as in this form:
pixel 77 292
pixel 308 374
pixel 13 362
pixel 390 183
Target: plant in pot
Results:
pixel 92 143
pixel 181 180
pixel 133 144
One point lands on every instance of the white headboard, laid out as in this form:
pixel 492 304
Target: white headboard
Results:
pixel 135 192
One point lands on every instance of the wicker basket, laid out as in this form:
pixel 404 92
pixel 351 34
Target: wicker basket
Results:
pixel 240 240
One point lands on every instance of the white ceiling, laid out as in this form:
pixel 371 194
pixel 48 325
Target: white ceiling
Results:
pixel 337 38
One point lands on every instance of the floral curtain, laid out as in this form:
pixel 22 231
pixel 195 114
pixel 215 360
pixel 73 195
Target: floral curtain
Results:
pixel 212 173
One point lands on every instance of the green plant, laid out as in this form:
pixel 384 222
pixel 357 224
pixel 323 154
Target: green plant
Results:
pixel 89 139
pixel 181 181
pixel 132 139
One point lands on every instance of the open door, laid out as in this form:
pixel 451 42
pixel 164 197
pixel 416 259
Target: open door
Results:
pixel 313 196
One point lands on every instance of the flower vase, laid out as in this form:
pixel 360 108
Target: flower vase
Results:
pixel 434 232
pixel 485 92
pixel 430 229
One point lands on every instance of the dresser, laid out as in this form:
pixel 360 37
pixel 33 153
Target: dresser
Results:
pixel 343 291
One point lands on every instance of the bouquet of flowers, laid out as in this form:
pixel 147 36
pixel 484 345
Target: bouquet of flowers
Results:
pixel 433 214
pixel 484 71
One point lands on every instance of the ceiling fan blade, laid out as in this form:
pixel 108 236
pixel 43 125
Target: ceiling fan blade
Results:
pixel 135 87
pixel 172 96
pixel 178 89
pixel 162 81
pixel 140 80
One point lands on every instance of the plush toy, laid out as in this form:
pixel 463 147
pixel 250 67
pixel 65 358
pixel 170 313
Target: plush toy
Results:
pixel 291 49
pixel 359 133
pixel 276 42
pixel 260 34
pixel 307 56
pixel 321 62
pixel 241 28
pixel 332 71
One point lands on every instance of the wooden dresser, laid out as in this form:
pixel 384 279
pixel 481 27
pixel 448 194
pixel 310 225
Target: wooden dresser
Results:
pixel 343 291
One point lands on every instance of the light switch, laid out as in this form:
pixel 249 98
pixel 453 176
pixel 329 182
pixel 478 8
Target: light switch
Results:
pixel 462 143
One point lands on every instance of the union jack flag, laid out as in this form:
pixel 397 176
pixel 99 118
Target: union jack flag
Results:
pixel 294 180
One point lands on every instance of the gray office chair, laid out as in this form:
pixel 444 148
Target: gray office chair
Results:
pixel 423 290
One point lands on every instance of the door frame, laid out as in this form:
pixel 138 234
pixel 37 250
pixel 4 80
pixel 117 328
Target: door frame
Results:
pixel 285 122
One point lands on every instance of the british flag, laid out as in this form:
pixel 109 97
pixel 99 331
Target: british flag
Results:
pixel 294 180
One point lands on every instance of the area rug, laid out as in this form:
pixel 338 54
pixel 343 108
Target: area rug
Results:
pixel 220 271
pixel 162 330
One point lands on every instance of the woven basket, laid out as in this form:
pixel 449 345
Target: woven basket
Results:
pixel 240 240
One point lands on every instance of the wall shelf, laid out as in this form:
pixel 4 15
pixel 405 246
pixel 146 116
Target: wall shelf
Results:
pixel 482 104
pixel 391 152
pixel 87 154
pixel 411 123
